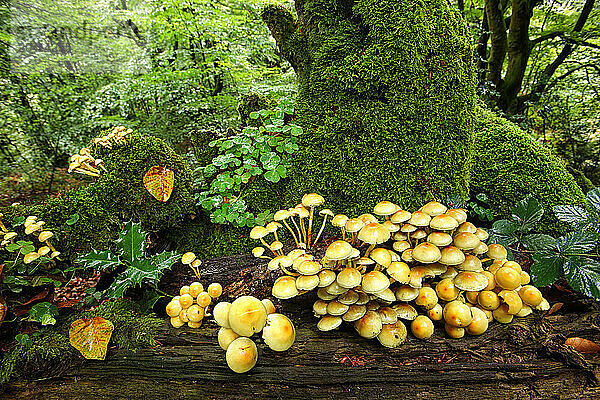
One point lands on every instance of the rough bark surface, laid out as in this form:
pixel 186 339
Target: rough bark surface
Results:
pixel 524 360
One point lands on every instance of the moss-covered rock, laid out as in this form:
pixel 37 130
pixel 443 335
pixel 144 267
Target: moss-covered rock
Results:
pixel 116 196
pixel 509 164
pixel 386 98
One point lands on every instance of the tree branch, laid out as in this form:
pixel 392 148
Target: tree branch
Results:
pixel 495 19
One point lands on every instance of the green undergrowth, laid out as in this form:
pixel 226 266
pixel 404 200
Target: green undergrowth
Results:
pixel 509 164
pixel 52 351
pixel 116 196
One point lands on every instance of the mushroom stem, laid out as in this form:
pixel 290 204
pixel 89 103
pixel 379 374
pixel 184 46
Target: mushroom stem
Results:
pixel 287 272
pixel 268 247
pixel 86 172
pixel 291 231
pixel 310 222
pixel 101 166
pixel 320 230
pixel 89 167
pixel 3 227
pixel 369 249
pixel 343 233
pixel 303 227
pixel 297 229
pixel 196 271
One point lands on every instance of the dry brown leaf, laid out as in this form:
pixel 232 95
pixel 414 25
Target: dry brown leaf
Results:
pixel 583 346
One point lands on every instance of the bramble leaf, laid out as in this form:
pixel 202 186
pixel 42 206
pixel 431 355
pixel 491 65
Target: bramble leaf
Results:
pixel 547 267
pixel 527 213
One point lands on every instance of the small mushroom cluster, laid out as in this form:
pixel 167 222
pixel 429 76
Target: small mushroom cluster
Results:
pixel 432 260
pixel 244 317
pixel 84 163
pixel 190 260
pixel 303 229
pixel 32 227
pixel 191 306
pixel 117 136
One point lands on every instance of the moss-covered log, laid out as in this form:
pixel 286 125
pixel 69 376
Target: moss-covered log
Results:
pixel 526 359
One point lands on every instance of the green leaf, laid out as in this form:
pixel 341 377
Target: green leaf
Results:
pixel 455 201
pixel 538 241
pixel 593 198
pixel 12 247
pixel 73 218
pixel 100 261
pixel 583 274
pixel 272 176
pixel 254 115
pixel 503 231
pixel 44 313
pixel 209 170
pixel 132 242
pixel 576 242
pixel 574 215
pixel 527 213
pixel 25 340
pixel 547 267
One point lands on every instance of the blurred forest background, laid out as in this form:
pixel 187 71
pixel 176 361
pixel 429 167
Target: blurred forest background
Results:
pixel 176 68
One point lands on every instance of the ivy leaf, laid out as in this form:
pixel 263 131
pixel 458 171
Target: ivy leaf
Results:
pixel 527 213
pixel 574 215
pixel 576 242
pixel 159 182
pixel 583 274
pixel 547 267
pixel 98 260
pixel 538 241
pixel 45 313
pixel 91 336
pixel 132 242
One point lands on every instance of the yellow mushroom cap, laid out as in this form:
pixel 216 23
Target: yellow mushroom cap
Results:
pixel 279 332
pixel 434 208
pixel 374 233
pixel 419 218
pixel 427 298
pixel 446 290
pixel 308 267
pixel 258 251
pixel 369 326
pixel 508 278
pixel 221 313
pixel 348 298
pixel 392 335
pixel 174 308
pixel 307 282
pixel 406 293
pixel 354 225
pixel 375 281
pixel 339 221
pixel 386 295
pixel 195 313
pixel 471 263
pixel 55 254
pixel 512 300
pixel 300 211
pixel 419 234
pixel 284 288
pixel 282 215
pixel 187 258
pixel 338 250
pixel 42 251
pixel 426 253
pixel 337 308
pixel 215 290
pixel 405 311
pixel 329 323
pixel 531 295
pixel 488 300
pixel 354 313
pixel 258 232
pixel 502 315
pixel 269 306
pixel 458 214
pixel 381 256
pixel 470 281
pixel 482 234
pixel 481 249
pixel 401 245
pixel 272 226
pixel 457 313
pixel 241 355
pixel 400 271
pixel 466 227
pixel 422 327
pixel 443 222
pixel 497 251
pixel 10 235
pixel 320 308
pixel 479 323
pixel 312 200
pixel 247 315
pixel 326 277
pixel 32 228
pixel 451 255
pixel 390 226
pixel 385 208
pixel 440 239
pixel 400 216
pixel 225 337
pixel 408 228
pixel 349 278
pixel 454 331
pixel 30 257
pixel 466 241
pixel 436 313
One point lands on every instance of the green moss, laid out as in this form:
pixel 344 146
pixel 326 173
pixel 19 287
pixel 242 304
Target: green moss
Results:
pixel 253 102
pixel 509 164
pixel 386 100
pixel 116 196
pixel 582 181
pixel 51 347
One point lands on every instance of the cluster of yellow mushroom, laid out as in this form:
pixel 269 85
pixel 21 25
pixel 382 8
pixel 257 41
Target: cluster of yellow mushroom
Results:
pixel 244 317
pixel 302 231
pixel 117 136
pixel 84 163
pixel 393 264
pixel 191 306
pixel 32 227
pixel 190 260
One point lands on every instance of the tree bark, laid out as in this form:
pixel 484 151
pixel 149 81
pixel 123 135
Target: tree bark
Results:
pixel 494 12
pixel 526 359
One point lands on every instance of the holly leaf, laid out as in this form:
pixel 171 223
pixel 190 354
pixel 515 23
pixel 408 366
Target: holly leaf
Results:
pixel 527 213
pixel 91 336
pixel 141 270
pixel 159 182
pixel 98 260
pixel 547 267
pixel 132 242
pixel 583 274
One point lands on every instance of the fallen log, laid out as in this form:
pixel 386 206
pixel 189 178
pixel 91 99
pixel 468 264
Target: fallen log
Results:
pixel 526 359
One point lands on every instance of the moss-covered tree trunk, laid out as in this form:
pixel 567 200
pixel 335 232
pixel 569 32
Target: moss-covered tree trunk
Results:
pixel 386 95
